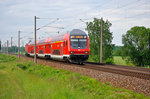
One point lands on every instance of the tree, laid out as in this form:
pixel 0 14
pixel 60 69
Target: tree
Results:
pixel 136 45
pixel 117 50
pixel 94 29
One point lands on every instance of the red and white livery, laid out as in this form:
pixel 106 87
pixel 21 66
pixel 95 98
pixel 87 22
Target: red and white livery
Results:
pixel 71 47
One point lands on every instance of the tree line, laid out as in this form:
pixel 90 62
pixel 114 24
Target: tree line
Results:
pixel 13 49
pixel 136 43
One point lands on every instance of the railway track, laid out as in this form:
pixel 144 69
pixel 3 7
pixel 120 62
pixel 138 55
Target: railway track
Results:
pixel 120 66
pixel 142 73
pixel 121 71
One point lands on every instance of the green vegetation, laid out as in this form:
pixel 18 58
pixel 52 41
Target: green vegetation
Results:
pixel 6 58
pixel 120 61
pixel 21 79
pixel 117 51
pixel 94 30
pixel 137 45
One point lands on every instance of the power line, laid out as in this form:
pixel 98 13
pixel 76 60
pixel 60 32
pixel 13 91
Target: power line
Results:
pixel 128 8
pixel 110 12
pixel 56 27
pixel 47 24
pixel 46 18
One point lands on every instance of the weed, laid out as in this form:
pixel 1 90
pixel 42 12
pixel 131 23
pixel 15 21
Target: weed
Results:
pixel 2 67
pixel 24 66
pixel 6 58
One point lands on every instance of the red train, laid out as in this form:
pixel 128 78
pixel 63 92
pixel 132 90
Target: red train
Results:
pixel 71 47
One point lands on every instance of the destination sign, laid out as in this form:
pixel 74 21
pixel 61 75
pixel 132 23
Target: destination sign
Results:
pixel 76 36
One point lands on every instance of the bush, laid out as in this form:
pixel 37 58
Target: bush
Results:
pixel 24 66
pixel 109 61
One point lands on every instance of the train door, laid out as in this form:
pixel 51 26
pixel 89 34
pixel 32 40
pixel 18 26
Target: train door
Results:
pixel 51 50
pixel 61 48
pixel 29 49
pixel 65 47
pixel 37 49
pixel 47 48
pixel 32 51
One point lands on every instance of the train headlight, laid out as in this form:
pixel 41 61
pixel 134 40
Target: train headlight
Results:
pixel 71 52
pixel 85 52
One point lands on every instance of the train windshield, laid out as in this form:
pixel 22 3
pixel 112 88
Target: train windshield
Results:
pixel 78 43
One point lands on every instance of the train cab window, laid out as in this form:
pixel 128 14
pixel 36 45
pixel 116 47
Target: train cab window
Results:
pixel 78 43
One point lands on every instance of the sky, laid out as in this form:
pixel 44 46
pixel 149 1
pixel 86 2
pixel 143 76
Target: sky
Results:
pixel 57 17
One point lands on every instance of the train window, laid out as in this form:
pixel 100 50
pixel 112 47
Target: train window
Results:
pixel 78 43
pixel 83 43
pixel 74 43
pixel 82 40
pixel 74 40
pixel 66 43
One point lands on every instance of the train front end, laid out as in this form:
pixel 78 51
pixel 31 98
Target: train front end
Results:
pixel 79 46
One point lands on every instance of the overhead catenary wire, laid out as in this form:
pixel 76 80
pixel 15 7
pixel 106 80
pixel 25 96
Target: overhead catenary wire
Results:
pixel 110 12
pixel 47 24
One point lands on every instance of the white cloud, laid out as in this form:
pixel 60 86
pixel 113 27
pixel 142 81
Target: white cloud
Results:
pixel 18 15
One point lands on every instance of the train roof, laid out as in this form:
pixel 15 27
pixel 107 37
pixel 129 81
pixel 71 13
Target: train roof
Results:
pixel 60 37
pixel 77 32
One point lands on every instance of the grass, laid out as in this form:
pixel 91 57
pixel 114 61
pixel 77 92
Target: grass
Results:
pixel 119 61
pixel 6 58
pixel 21 79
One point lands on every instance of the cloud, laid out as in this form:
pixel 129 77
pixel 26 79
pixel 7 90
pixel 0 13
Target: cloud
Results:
pixel 19 15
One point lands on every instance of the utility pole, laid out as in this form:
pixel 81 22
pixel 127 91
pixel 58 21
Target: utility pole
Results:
pixel 15 48
pixel 101 42
pixel 11 45
pixel 22 46
pixel 7 46
pixel 149 41
pixel 35 61
pixel 2 49
pixel 0 46
pixel 18 44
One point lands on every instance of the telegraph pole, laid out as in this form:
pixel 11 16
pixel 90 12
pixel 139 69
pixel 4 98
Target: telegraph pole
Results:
pixel 22 46
pixel 35 61
pixel 15 48
pixel 149 41
pixel 7 46
pixel 18 44
pixel 2 49
pixel 0 46
pixel 11 45
pixel 101 42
